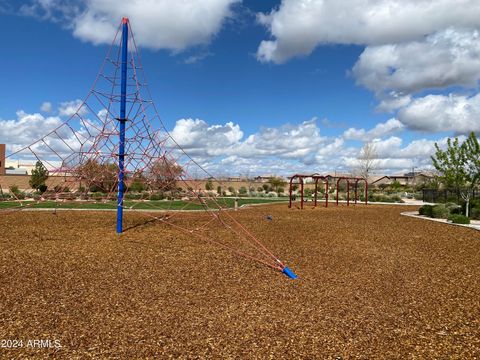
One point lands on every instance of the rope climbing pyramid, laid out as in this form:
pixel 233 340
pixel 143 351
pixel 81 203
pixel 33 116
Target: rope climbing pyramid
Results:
pixel 109 152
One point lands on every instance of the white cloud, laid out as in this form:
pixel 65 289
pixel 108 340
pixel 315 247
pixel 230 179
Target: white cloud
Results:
pixel 199 138
pixel 393 157
pixel 381 129
pixel 393 101
pixel 446 58
pixel 294 148
pixel 69 108
pixel 298 26
pixel 437 113
pixel 287 141
pixel 223 148
pixel 26 128
pixel 46 107
pixel 157 24
pixel 193 59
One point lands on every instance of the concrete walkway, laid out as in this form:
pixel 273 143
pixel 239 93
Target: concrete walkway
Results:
pixel 474 224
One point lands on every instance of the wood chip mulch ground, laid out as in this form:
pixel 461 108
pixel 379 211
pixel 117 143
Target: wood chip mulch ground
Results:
pixel 372 284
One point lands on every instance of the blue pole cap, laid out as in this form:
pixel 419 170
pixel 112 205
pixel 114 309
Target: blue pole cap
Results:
pixel 289 273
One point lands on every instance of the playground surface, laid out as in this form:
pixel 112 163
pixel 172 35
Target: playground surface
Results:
pixel 372 284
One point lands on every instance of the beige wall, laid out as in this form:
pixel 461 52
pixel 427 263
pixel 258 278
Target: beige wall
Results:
pixel 2 159
pixel 22 182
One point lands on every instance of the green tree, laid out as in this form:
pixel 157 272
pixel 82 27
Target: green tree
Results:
pixel 39 176
pixel 98 176
pixel 459 166
pixel 164 173
pixel 276 182
pixel 242 190
pixel 396 186
pixel 137 186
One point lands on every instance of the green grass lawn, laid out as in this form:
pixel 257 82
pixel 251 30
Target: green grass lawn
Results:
pixel 143 205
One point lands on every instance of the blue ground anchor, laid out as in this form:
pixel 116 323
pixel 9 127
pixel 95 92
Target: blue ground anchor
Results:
pixel 289 273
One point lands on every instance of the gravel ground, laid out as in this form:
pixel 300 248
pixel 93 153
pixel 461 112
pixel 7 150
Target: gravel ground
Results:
pixel 372 284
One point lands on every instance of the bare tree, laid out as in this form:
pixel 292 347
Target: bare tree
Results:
pixel 367 161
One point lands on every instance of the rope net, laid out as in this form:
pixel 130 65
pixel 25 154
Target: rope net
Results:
pixel 81 157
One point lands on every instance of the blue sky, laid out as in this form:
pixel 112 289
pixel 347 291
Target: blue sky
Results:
pixel 323 83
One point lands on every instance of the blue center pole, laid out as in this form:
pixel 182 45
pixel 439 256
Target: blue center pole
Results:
pixel 122 120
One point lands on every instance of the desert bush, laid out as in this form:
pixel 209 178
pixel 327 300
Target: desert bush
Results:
pixel 440 211
pixel 459 219
pixel 475 213
pixel 426 210
pixel 98 195
pixel 209 185
pixel 4 196
pixel 158 196
pixel 137 186
pixel 375 197
pixel 130 196
pixel 14 189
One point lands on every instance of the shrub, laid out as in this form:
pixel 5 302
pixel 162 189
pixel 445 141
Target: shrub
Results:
pixel 426 210
pixel 4 196
pixel 397 199
pixel 475 213
pixel 440 212
pixel 99 195
pixel 137 186
pixel 383 198
pixel 453 208
pixel 209 185
pixel 14 189
pixel 130 196
pixel 42 188
pixel 475 209
pixel 243 190
pixel 159 196
pixel 459 219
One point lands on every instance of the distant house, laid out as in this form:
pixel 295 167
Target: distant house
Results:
pixel 408 179
pixel 19 171
pixel 263 178
pixel 235 179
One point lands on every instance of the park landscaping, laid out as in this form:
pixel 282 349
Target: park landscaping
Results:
pixel 371 284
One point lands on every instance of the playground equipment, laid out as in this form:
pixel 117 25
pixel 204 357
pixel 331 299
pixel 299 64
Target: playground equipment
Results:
pixel 299 179
pixel 109 153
